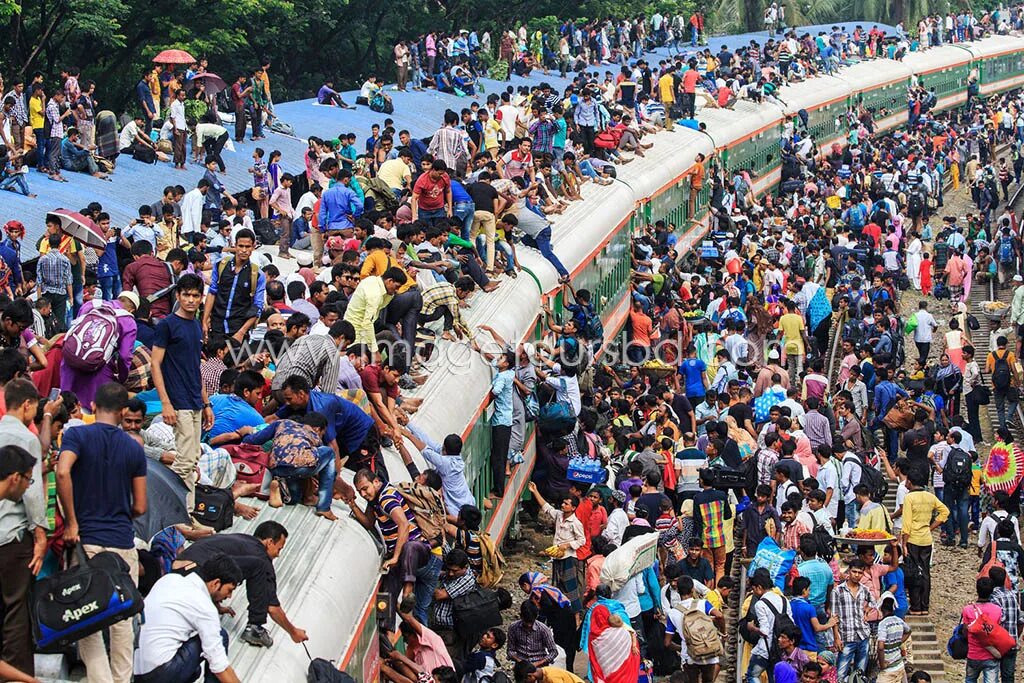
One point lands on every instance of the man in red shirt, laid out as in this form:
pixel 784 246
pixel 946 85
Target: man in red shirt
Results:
pixel 238 94
pixel 148 275
pixel 689 101
pixel 432 193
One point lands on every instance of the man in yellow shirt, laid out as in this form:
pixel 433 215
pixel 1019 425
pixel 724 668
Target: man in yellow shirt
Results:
pixel 922 514
pixel 873 516
pixel 525 672
pixel 794 339
pixel 667 94
pixel 369 299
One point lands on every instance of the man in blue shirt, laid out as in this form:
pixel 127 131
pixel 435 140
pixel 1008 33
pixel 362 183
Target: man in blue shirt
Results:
pixel 339 206
pixel 692 369
pixel 235 414
pixel 350 431
pixel 448 462
pixel 886 395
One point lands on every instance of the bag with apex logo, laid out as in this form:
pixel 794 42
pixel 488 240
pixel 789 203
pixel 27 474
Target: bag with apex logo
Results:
pixel 82 600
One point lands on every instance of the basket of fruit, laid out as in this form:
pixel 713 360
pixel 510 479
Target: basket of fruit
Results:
pixel 994 310
pixel 865 537
pixel 655 369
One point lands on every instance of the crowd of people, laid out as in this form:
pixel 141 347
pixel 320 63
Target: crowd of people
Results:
pixel 181 346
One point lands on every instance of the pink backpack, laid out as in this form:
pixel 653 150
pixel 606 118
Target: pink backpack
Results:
pixel 92 340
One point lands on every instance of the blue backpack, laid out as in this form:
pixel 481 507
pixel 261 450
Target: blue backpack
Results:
pixel 556 418
pixel 1006 250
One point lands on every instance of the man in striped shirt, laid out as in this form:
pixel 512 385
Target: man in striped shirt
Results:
pixel 316 357
pixel 710 510
pixel 443 300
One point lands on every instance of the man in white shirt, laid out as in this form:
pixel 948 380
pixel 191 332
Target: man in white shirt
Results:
pixel 761 585
pixel 987 530
pixel 851 477
pixel 181 625
pixel 618 520
pixel 926 326
pixel 179 130
pixel 192 209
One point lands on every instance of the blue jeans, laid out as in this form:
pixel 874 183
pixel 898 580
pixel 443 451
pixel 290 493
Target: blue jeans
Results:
pixel 1007 666
pixel 755 668
pixel 464 211
pixel 426 584
pixel 431 215
pixel 984 670
pixel 510 261
pixel 110 285
pixel 184 666
pixel 855 653
pixel 15 181
pixel 542 242
pixel 324 471
pixel 852 513
pixel 959 516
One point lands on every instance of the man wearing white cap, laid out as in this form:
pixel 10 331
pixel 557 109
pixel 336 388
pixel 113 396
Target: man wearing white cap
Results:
pixel 764 375
pixel 1017 309
pixel 86 367
pixel 892 633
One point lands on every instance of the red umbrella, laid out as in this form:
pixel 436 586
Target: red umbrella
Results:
pixel 214 83
pixel 174 57
pixel 80 227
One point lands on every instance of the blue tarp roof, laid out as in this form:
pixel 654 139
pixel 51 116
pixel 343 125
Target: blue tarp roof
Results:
pixel 134 183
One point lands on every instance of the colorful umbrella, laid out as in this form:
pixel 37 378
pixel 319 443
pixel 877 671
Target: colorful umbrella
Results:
pixel 174 57
pixel 80 227
pixel 1004 468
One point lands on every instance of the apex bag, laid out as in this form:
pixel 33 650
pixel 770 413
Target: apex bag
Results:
pixel 92 340
pixel 82 600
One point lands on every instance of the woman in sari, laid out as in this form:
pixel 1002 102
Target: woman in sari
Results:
pixel 555 611
pixel 707 343
pixel 968 276
pixel 914 251
pixel 955 343
pixel 949 383
pixel 612 646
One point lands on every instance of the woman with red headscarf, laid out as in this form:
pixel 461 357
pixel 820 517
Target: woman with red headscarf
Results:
pixel 613 648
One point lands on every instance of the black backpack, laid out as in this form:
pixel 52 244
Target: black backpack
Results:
pixel 214 507
pixel 957 472
pixel 824 542
pixel 915 203
pixel 870 477
pixel 783 622
pixel 853 331
pixel 1001 372
pixel 744 626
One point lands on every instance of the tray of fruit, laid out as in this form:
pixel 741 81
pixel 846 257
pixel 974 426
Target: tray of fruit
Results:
pixel 864 537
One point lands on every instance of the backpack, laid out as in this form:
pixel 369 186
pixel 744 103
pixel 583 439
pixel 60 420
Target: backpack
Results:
pixel 783 622
pixel 427 506
pixel 957 472
pixel 1006 250
pixel 556 418
pixel 743 628
pixel 475 612
pixel 1001 371
pixel 92 340
pixel 593 329
pixel 254 272
pixel 146 155
pixel 493 567
pixel 214 507
pixel 870 477
pixel 915 203
pixel 381 104
pixel 700 633
pixel 853 331
pixel 824 542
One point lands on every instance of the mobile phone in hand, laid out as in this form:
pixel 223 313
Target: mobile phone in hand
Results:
pixel 54 394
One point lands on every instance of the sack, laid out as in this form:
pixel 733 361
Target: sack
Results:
pixel 476 612
pixel 322 671
pixel 956 646
pixel 265 232
pixel 428 507
pixel 777 561
pixel 957 472
pixel 981 395
pixel 994 561
pixel 870 477
pixel 82 600
pixel 92 340
pixel 492 562
pixel 251 462
pixel 214 507
pixel 700 633
pixel 1001 372
pixel 146 155
pixel 910 325
pixel 900 416
pixel 990 634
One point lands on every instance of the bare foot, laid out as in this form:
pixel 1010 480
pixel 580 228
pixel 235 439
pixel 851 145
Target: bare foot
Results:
pixel 242 490
pixel 309 501
pixel 246 511
pixel 491 286
pixel 328 515
pixel 275 494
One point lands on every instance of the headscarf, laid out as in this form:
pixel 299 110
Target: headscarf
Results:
pixel 785 673
pixel 307 275
pixel 538 585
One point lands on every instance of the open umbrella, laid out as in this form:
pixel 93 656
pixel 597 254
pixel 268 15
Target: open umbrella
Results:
pixel 174 57
pixel 214 83
pixel 1004 468
pixel 80 227
pixel 165 501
